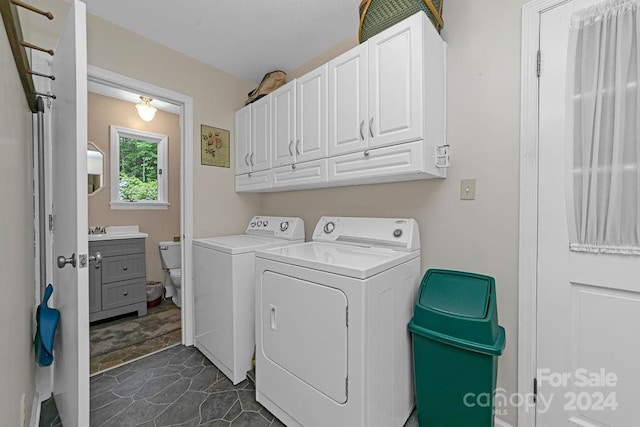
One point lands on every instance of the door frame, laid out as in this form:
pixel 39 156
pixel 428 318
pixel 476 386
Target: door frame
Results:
pixel 528 234
pixel 185 102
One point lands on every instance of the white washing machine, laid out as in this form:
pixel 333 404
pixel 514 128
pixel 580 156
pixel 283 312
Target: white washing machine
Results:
pixel 224 280
pixel 332 345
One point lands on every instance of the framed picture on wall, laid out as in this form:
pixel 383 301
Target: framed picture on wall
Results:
pixel 215 146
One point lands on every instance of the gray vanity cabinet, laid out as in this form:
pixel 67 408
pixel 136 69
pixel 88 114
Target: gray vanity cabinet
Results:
pixel 117 284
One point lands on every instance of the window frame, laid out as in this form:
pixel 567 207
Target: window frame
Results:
pixel 162 142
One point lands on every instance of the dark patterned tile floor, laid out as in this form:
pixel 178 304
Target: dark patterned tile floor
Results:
pixel 175 387
pixel 49 414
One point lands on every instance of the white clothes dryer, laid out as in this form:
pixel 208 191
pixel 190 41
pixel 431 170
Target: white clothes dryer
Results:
pixel 332 345
pixel 224 283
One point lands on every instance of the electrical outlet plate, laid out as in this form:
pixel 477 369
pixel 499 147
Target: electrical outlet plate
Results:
pixel 467 189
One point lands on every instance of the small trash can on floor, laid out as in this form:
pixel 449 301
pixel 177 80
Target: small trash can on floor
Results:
pixel 456 344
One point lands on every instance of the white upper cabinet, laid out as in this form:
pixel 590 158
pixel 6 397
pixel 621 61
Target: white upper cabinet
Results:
pixel 243 140
pixel 260 154
pixel 311 116
pixel 348 113
pixel 396 84
pixel 283 107
pixel 373 114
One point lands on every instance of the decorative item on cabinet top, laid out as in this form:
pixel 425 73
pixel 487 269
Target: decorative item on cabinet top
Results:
pixel 270 82
pixel 378 15
pixel 374 114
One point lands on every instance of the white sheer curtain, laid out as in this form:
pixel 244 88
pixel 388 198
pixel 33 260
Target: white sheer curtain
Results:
pixel 603 129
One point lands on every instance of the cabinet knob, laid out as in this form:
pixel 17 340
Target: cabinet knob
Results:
pixel 366 153
pixel 293 166
pixel 125 268
pixel 125 293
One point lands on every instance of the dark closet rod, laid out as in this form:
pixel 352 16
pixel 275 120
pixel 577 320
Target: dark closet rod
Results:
pixel 11 21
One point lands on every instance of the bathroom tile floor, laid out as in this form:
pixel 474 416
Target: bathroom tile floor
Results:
pixel 175 387
pixel 120 340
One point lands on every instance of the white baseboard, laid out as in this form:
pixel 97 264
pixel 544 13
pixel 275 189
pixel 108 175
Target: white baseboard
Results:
pixel 35 411
pixel 500 423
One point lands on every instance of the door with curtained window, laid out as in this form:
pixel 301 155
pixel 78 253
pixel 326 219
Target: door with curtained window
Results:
pixel 588 277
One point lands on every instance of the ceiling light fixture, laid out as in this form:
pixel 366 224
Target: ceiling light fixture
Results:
pixel 146 111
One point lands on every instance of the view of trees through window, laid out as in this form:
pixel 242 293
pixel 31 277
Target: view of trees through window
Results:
pixel 138 170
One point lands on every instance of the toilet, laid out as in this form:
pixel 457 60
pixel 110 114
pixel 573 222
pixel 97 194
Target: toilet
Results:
pixel 170 256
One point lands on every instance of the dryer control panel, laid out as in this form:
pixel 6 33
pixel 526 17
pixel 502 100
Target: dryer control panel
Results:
pixel 394 233
pixel 289 228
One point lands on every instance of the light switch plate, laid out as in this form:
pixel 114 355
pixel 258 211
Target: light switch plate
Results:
pixel 467 189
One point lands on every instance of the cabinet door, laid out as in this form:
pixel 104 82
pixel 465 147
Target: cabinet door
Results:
pixel 311 115
pixel 348 116
pixel 259 155
pixel 301 175
pixel 256 181
pixel 378 165
pixel 396 84
pixel 283 108
pixel 243 140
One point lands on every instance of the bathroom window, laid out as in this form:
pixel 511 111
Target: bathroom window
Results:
pixel 139 176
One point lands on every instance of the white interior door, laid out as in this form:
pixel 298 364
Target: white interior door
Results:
pixel 69 199
pixel 588 304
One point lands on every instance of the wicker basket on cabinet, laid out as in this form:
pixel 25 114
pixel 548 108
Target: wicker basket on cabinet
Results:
pixel 378 15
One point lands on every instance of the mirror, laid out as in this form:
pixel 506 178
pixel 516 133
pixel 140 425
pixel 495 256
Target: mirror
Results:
pixel 95 168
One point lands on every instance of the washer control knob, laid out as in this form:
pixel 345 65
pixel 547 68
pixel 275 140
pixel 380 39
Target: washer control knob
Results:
pixel 265 223
pixel 259 223
pixel 329 227
pixel 284 225
pixel 253 224
pixel 397 232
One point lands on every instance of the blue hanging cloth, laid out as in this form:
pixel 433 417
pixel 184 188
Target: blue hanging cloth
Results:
pixel 47 322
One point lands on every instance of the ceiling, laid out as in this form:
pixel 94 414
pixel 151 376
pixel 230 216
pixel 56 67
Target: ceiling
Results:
pixel 246 38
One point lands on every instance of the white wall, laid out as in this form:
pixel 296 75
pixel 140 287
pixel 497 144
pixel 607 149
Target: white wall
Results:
pixel 16 251
pixel 483 114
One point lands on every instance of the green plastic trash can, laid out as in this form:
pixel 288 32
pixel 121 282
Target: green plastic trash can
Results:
pixel 456 344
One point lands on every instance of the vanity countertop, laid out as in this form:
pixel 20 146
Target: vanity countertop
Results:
pixel 119 232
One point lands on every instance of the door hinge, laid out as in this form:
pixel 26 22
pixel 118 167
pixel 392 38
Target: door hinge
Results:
pixel 50 222
pixel 538 63
pixel 442 156
pixel 535 390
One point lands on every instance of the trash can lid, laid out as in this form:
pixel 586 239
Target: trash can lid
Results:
pixel 457 293
pixel 457 306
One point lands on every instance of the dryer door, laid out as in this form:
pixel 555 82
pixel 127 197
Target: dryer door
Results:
pixel 304 329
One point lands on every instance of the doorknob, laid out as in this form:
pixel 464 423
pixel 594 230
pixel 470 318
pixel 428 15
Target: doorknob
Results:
pixel 62 261
pixel 97 258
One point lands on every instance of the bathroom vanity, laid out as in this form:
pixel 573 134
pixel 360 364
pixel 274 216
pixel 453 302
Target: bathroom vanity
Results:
pixel 117 276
